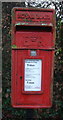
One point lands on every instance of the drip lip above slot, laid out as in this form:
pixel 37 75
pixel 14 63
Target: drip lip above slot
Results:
pixel 29 24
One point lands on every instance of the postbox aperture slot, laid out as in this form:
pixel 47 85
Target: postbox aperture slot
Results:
pixel 34 28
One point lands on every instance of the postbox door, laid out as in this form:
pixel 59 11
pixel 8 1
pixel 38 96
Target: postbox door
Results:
pixel 23 93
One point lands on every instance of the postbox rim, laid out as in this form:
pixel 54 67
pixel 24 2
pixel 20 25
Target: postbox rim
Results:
pixel 33 9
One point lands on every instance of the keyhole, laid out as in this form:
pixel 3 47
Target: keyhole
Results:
pixel 20 77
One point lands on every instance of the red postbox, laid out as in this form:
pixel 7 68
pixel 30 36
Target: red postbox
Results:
pixel 33 45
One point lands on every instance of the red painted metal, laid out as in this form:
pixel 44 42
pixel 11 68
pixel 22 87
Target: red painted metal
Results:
pixel 32 29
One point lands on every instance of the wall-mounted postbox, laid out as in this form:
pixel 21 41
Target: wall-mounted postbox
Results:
pixel 33 44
